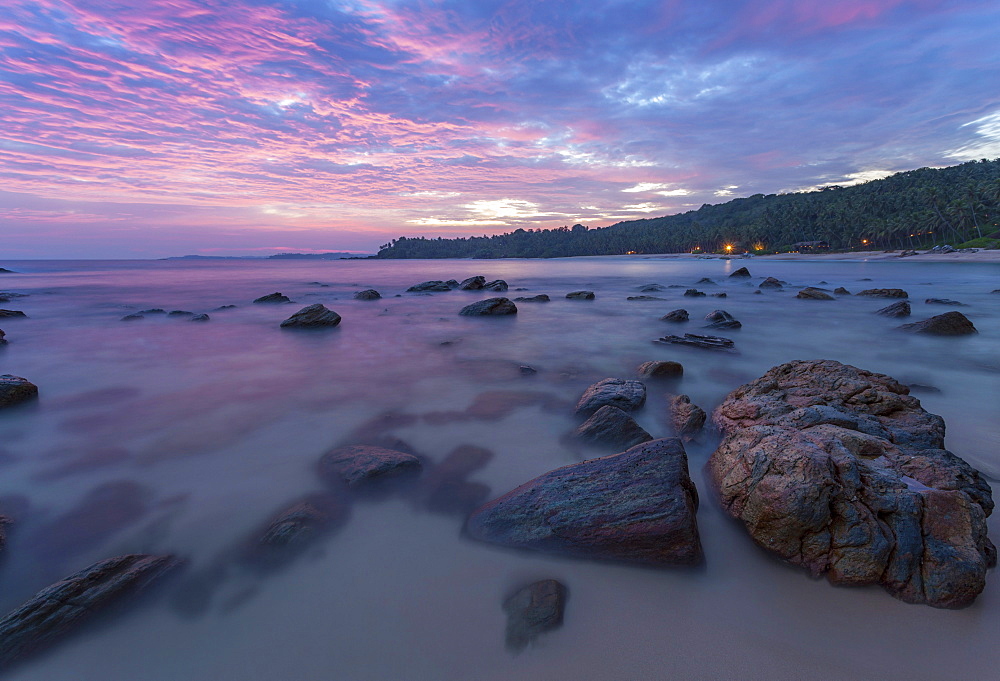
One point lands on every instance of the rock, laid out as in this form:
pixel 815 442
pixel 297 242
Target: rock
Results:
pixel 697 341
pixel 180 313
pixel 446 488
pixel 841 291
pixel 153 310
pixel 651 288
pixel 944 301
pixel 612 427
pixel 294 529
pixel 3 340
pixel 810 293
pixel 4 270
pixel 532 611
pixel 132 317
pixel 897 309
pixel 660 369
pixel 687 419
pixel 200 318
pixel 11 313
pixel 4 522
pixel 434 285
pixel 883 293
pixel 840 471
pixel 452 283
pixel 473 283
pixel 770 282
pixel 741 273
pixel 65 605
pixel 367 294
pixel 720 319
pixel 497 285
pixel 721 294
pixel 623 393
pixel 706 281
pixel 540 298
pixel 15 390
pixel 225 307
pixel 489 307
pixel 358 465
pixel 273 298
pixel 947 324
pixel 694 293
pixel 675 316
pixel 637 506
pixel 527 370
pixel 644 298
pixel 313 316
pixel 581 295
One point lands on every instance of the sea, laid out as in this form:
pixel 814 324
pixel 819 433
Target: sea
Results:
pixel 163 435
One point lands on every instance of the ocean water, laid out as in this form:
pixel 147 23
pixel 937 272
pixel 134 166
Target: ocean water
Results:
pixel 163 435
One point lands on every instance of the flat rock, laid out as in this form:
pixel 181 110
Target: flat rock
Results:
pixel 433 285
pixel 698 341
pixel 675 316
pixel 272 298
pixel 581 295
pixel 367 294
pixel 15 390
pixel 489 307
pixel 612 427
pixel 358 465
pixel 883 293
pixel 475 283
pixel 532 611
pixel 811 293
pixel 315 316
pixel 741 273
pixel 720 319
pixel 626 394
pixel 686 419
pixel 898 309
pixel 943 301
pixel 638 506
pixel 947 324
pixel 839 470
pixel 540 298
pixel 644 298
pixel 660 369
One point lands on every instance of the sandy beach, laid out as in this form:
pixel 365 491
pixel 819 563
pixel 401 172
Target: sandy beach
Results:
pixel 984 256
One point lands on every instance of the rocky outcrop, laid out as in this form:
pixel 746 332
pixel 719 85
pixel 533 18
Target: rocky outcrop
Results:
pixel 686 419
pixel 475 283
pixel 637 506
pixel 16 390
pixel 612 427
pixel 315 316
pixel 496 285
pixel 623 393
pixel 367 294
pixel 698 341
pixel 581 295
pixel 883 293
pixel 357 465
pixel 433 285
pixel 489 307
pixel 660 369
pixel 540 298
pixel 65 605
pixel 272 298
pixel 810 293
pixel 532 611
pixel 720 319
pixel 898 309
pixel 840 471
pixel 947 324
pixel 741 273
pixel 771 282
pixel 675 316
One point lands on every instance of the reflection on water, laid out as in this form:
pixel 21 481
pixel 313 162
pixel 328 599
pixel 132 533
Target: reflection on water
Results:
pixel 167 436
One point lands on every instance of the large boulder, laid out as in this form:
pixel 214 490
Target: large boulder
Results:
pixel 638 506
pixel 841 471
pixel 532 611
pixel 883 293
pixel 901 308
pixel 623 393
pixel 947 324
pixel 612 427
pixel 15 390
pixel 489 307
pixel 315 316
pixel 357 465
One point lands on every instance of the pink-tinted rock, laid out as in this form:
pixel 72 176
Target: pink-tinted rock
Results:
pixel 687 419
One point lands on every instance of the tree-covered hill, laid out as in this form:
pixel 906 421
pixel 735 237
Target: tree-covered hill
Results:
pixel 914 208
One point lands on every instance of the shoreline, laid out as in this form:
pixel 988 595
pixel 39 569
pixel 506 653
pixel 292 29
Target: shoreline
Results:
pixel 981 256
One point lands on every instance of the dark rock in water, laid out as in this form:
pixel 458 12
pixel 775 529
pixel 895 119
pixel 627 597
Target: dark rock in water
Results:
pixel 623 393
pixel 637 506
pixel 897 309
pixel 313 316
pixel 721 294
pixel 944 301
pixel 4 270
pixel 741 273
pixel 180 313
pixel 497 285
pixel 273 298
pixel 720 319
pixel 810 293
pixel 15 390
pixel 3 340
pixel 65 605
pixel 153 310
pixel 11 313
pixel 651 288
pixel 686 419
pixel 644 298
pixel 226 307
pixel 132 317
pixel 200 318
pixel 660 369
pixel 446 488
pixel 920 388
pixel 841 291
pixel 4 522
pixel 527 370
pixel 771 282
pixel 473 283
pixel 697 341
pixel 947 324
pixel 434 285
pixel 489 307
pixel 367 294
pixel 358 465
pixel 532 611
pixel 865 279
pixel 705 280
pixel 996 290
pixel 840 471
pixel 612 427
pixel 540 298
pixel 581 295
pixel 294 529
pixel 675 316
pixel 452 283
pixel 693 293
pixel 883 293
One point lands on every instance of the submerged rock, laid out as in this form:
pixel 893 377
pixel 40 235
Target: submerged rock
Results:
pixel 16 390
pixel 294 529
pixel 943 301
pixel 446 487
pixel 272 298
pixel 638 506
pixel 4 270
pixel 433 285
pixel 883 293
pixel 180 313
pixel 897 309
pixel 3 339
pixel 200 318
pixel 694 293
pixel 315 316
pixel 651 288
pixel 705 281
pixel 840 471
pixel 741 273
pixel 367 294
pixel 686 419
pixel 644 298
pixel 612 427
pixel 720 319
pixel 947 324
pixel 540 298
pixel 473 283
pixel 581 295
pixel 153 310
pixel 532 611
pixel 721 294
pixel 660 369
pixel 810 293
pixel 623 393
pixel 358 465
pixel 675 316
pixel 489 307
pixel 698 341
pixel 132 317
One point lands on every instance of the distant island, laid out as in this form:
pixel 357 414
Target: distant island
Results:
pixel 958 205
pixel 278 256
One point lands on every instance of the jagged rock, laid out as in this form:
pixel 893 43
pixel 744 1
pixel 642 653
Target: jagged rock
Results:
pixel 581 295
pixel 944 301
pixel 11 313
pixel 367 294
pixel 697 341
pixel 741 273
pixel 811 293
pixel 271 298
pixel 637 506
pixel 497 285
pixel 771 282
pixel 720 319
pixel 358 465
pixel 315 316
pixel 660 369
pixel 694 293
pixel 840 471
pixel 898 309
pixel 841 291
pixel 473 283
pixel 15 390
pixel 687 419
pixel 651 288
pixel 132 317
pixel 623 393
pixel 676 316
pixel 883 293
pixel 434 285
pixel 532 611
pixel 540 298
pixel 490 306
pixel 200 318
pixel 644 298
pixel 612 427
pixel 947 324
pixel 65 605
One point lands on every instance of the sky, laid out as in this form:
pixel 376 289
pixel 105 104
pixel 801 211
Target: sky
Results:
pixel 249 127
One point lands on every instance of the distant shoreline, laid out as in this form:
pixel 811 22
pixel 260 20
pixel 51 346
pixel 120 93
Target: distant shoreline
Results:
pixel 983 256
